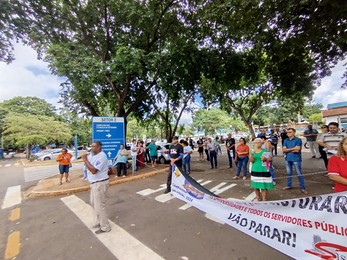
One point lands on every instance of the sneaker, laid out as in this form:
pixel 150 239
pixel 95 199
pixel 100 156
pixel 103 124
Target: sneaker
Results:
pixel 100 231
pixel 167 191
pixel 236 177
pixel 304 191
pixel 244 178
pixel 287 188
pixel 313 156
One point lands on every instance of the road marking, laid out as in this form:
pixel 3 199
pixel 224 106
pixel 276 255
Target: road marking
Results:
pixel 15 214
pixel 13 197
pixel 127 247
pixel 147 192
pixel 12 247
pixel 8 165
pixel 251 196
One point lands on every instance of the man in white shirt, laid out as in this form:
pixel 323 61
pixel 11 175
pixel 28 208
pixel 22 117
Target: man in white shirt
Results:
pixel 97 170
pixel 330 141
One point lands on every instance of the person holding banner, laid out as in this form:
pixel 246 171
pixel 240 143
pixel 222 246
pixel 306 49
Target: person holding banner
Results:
pixel 175 156
pixel 261 179
pixel 337 167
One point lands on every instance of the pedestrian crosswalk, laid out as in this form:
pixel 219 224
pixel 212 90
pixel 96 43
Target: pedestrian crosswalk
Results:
pixel 13 197
pixel 129 247
pixel 216 188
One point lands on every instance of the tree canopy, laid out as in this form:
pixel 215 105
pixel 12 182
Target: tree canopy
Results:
pixel 121 57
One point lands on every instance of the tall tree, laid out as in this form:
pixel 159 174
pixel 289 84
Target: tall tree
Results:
pixel 28 130
pixel 112 52
pixel 209 120
pixel 6 31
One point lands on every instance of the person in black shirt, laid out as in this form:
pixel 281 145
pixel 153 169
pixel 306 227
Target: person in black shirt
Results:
pixel 230 145
pixel 284 135
pixel 274 140
pixel 200 144
pixel 175 156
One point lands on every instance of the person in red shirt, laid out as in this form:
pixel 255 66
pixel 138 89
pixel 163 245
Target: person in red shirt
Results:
pixel 64 160
pixel 337 167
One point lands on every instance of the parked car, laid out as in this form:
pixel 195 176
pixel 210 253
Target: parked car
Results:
pixel 163 152
pixel 51 154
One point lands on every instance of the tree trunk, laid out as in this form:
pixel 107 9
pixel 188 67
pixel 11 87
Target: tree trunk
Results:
pixel 30 147
pixel 251 130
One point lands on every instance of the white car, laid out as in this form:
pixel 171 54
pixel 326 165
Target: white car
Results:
pixel 51 154
pixel 163 152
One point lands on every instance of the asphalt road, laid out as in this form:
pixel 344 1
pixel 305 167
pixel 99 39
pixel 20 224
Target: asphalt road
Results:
pixel 49 229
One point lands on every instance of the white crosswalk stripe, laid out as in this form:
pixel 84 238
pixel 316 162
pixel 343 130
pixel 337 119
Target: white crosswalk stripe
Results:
pixel 13 197
pixel 128 246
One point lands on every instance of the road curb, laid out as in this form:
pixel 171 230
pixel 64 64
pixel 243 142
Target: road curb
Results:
pixel 38 194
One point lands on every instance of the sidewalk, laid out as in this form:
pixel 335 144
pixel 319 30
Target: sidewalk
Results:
pixel 51 186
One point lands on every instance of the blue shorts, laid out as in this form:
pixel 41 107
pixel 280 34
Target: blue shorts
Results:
pixel 63 168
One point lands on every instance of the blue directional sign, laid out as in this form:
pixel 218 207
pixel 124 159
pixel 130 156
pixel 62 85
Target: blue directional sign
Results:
pixel 110 131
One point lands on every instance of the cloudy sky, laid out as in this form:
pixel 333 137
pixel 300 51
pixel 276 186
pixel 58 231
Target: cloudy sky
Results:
pixel 27 76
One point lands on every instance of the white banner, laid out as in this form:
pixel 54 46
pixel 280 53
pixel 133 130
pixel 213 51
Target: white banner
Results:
pixel 306 228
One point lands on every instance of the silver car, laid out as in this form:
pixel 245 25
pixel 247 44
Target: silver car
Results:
pixel 163 152
pixel 51 154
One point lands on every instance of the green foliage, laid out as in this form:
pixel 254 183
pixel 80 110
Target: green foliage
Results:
pixel 80 127
pixel 6 32
pixel 315 119
pixel 32 129
pixel 29 105
pixel 210 120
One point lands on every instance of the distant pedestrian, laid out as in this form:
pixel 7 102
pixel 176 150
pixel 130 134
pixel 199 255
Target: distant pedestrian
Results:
pixel 292 150
pixel 175 156
pixel 261 179
pixel 64 160
pixel 187 151
pixel 97 165
pixel 206 150
pixel 241 158
pixel 140 154
pixel 191 143
pixel 311 136
pixel 200 144
pixel 337 167
pixel 134 149
pixel 230 145
pixel 153 153
pixel 284 135
pixel 274 140
pixel 121 160
pixel 212 149
pixel 324 130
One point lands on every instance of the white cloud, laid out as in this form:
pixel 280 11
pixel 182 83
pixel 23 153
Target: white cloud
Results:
pixel 28 76
pixel 330 90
